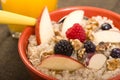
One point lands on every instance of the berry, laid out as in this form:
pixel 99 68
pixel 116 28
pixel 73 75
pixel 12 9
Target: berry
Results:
pixel 106 26
pixel 89 46
pixel 63 47
pixel 115 53
pixel 76 32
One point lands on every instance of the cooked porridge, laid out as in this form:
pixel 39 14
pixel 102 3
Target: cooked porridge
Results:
pixel 96 39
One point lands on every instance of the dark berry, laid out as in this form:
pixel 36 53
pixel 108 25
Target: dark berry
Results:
pixel 115 53
pixel 63 47
pixel 89 46
pixel 106 26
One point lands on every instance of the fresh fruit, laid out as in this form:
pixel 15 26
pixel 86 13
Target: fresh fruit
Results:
pixel 106 26
pixel 60 62
pixel 107 36
pixel 76 32
pixel 72 18
pixel 88 57
pixel 97 61
pixel 89 46
pixel 115 53
pixel 62 19
pixel 43 30
pixel 63 47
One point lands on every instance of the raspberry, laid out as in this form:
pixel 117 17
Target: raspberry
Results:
pixel 63 47
pixel 76 32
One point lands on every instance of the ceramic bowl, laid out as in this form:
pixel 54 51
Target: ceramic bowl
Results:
pixel 55 16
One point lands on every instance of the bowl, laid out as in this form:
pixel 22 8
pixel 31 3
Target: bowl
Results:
pixel 55 16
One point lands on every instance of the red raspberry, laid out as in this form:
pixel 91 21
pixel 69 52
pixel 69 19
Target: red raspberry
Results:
pixel 76 32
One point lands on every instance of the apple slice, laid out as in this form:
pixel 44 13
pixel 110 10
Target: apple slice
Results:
pixel 62 19
pixel 97 61
pixel 61 62
pixel 88 57
pixel 72 18
pixel 107 36
pixel 44 31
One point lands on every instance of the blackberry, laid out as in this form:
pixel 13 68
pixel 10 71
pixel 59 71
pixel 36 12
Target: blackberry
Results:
pixel 115 53
pixel 89 46
pixel 106 26
pixel 63 47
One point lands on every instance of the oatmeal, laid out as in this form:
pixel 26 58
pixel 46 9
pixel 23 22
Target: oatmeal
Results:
pixel 98 55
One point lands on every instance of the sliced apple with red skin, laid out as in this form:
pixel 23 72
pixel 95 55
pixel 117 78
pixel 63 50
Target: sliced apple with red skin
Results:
pixel 60 62
pixel 97 61
pixel 43 30
pixel 62 19
pixel 88 56
pixel 72 18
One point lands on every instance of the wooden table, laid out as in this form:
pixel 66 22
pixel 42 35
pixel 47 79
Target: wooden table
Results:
pixel 11 66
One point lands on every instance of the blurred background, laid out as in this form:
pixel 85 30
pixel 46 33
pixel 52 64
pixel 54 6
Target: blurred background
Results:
pixel 113 5
pixel 11 67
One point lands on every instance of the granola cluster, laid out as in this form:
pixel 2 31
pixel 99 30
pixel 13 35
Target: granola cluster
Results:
pixel 91 26
pixel 113 64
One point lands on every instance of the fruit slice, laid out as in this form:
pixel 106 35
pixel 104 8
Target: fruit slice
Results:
pixel 107 36
pixel 60 62
pixel 62 19
pixel 88 57
pixel 44 31
pixel 72 18
pixel 97 61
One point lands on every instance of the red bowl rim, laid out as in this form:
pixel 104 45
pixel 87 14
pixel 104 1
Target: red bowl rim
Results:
pixel 30 30
pixel 85 8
